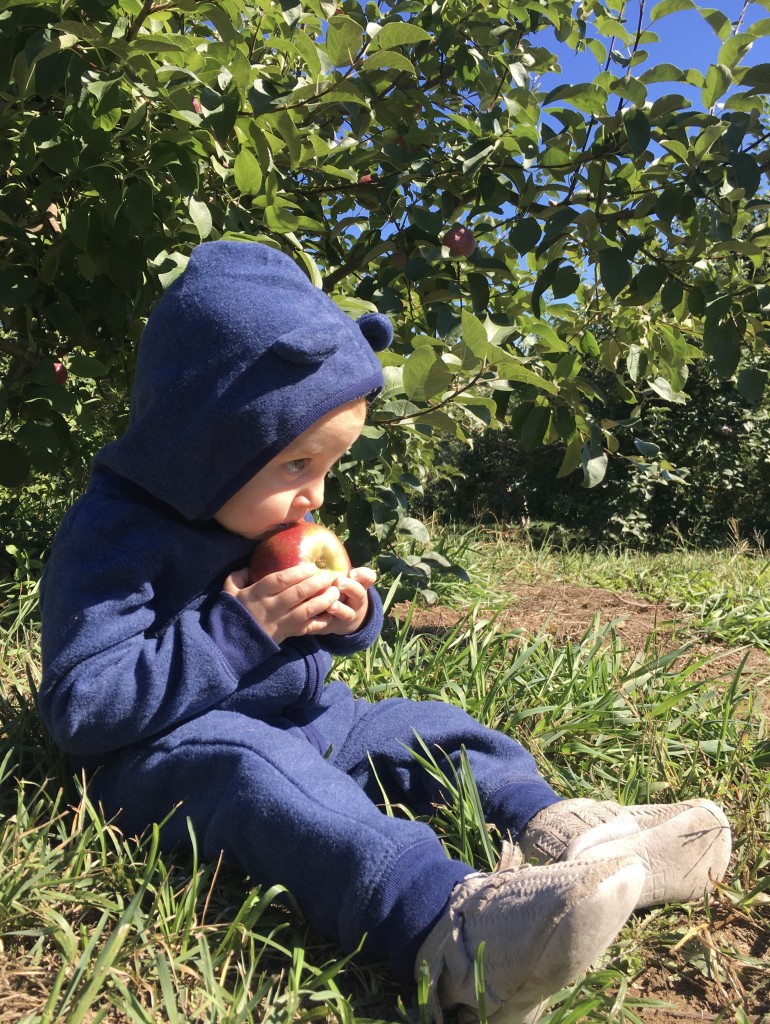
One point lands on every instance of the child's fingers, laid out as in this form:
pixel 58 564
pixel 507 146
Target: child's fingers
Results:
pixel 296 575
pixel 322 624
pixel 343 613
pixel 351 589
pixel 317 606
pixel 236 581
pixel 364 575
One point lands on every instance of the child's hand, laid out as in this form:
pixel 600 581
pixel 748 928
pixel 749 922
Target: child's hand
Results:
pixel 348 613
pixel 303 600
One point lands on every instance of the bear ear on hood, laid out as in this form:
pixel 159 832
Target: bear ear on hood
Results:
pixel 377 329
pixel 311 345
pixel 308 346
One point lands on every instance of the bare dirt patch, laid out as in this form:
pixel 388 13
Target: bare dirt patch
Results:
pixel 714 968
pixel 566 612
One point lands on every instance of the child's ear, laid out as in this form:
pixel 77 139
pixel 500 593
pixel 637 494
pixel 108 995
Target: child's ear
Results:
pixel 377 329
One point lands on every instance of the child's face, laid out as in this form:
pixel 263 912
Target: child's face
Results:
pixel 292 484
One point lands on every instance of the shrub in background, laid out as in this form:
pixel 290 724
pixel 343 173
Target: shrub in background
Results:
pixel 719 444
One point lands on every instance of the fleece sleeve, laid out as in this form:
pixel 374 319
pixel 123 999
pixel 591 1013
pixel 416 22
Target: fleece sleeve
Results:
pixel 111 677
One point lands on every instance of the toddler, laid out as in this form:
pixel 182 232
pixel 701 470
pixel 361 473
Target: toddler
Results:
pixel 170 680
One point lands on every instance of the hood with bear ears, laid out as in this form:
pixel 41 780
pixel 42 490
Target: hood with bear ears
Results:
pixel 240 356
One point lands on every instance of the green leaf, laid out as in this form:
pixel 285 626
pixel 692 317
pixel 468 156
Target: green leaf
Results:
pixel 548 339
pixel 312 268
pixel 474 335
pixel 343 40
pixel 415 529
pixel 568 367
pixel 646 448
pixel 665 390
pixel 543 282
pixel 594 462
pixel 614 269
pixel 566 282
pixel 14 464
pixel 662 73
pixel 669 203
pixel 672 294
pixel 722 342
pixel 735 48
pixel 289 133
pixel 478 286
pixel 718 79
pixel 280 219
pixel 589 344
pixel 572 458
pixel 535 427
pixel 248 173
pixel 349 93
pixel 308 51
pixel 425 375
pixel 399 33
pixel 566 424
pixel 87 367
pixel 200 215
pixel 649 280
pixel 221 111
pixel 751 383
pixel 638 131
pixel 513 371
pixel 15 289
pixel 587 96
pixel 719 21
pixel 757 77
pixel 727 357
pixel 666 7
pixel 630 88
pixel 39 437
pixel 388 59
pixel 524 235
pixel 747 172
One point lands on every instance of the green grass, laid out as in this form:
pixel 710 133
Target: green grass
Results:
pixel 97 927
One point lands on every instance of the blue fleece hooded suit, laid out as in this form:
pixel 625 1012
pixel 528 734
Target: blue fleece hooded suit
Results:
pixel 166 691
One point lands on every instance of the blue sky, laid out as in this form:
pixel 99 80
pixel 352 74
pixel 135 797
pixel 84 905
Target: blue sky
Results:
pixel 686 40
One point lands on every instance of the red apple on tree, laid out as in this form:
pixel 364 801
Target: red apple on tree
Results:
pixel 460 241
pixel 302 542
pixel 59 373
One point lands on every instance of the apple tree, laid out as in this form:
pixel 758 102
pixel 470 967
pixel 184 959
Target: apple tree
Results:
pixel 423 159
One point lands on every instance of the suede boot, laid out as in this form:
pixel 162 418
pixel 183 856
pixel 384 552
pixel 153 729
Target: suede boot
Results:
pixel 685 847
pixel 541 928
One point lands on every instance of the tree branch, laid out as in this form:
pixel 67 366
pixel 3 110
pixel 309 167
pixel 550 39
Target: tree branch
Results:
pixel 17 351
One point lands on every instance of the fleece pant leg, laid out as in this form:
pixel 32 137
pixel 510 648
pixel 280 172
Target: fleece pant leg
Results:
pixel 269 799
pixel 375 743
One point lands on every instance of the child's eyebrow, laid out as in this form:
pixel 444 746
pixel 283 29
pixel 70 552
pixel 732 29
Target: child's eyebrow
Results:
pixel 309 450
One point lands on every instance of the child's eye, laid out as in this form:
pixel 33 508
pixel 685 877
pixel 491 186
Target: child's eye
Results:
pixel 296 465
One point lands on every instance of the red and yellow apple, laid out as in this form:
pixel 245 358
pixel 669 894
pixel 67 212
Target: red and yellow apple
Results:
pixel 303 542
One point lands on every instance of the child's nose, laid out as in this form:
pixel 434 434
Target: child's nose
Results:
pixel 314 493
